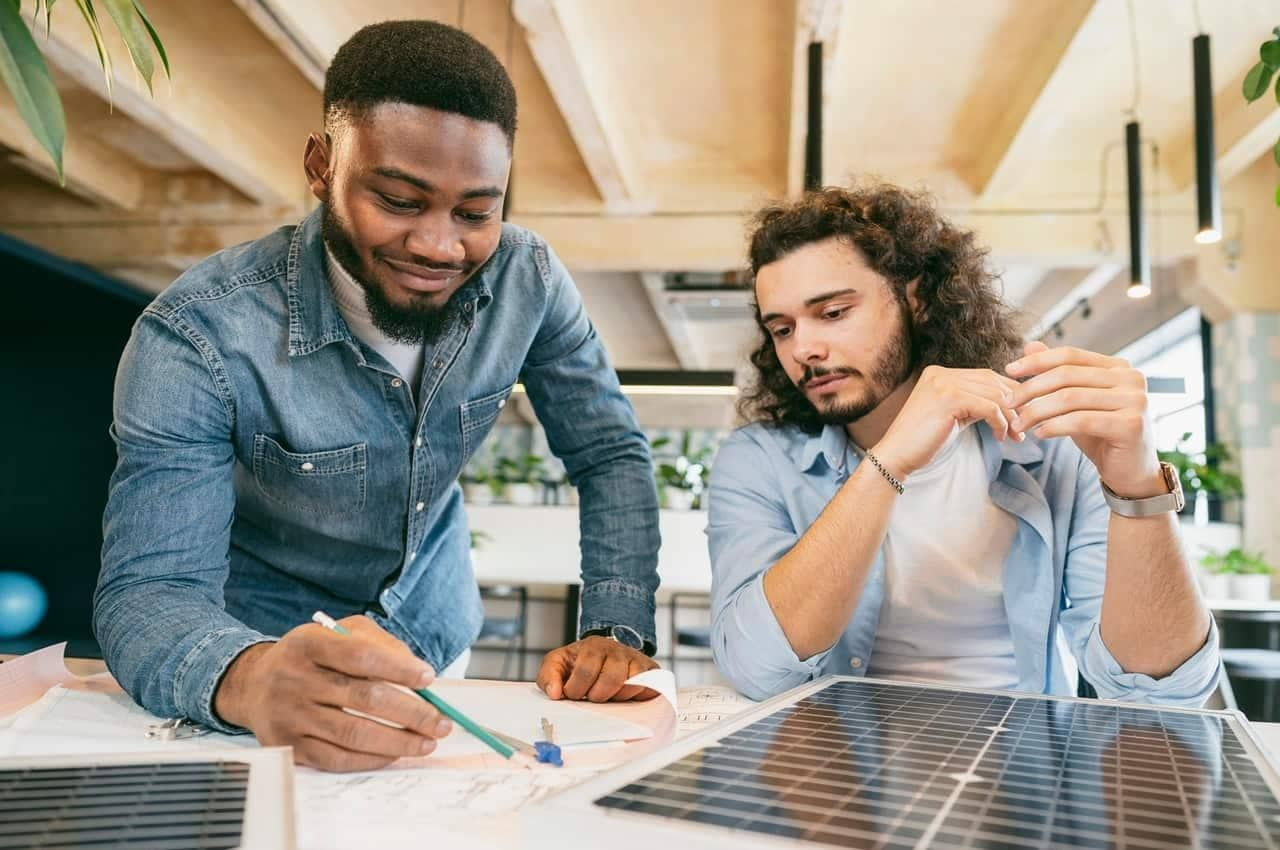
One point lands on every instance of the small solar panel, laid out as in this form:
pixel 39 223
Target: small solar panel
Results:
pixel 190 803
pixel 848 762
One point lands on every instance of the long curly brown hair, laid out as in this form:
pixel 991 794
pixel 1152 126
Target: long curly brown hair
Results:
pixel 962 322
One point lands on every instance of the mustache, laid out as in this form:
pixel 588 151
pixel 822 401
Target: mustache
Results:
pixel 426 266
pixel 813 373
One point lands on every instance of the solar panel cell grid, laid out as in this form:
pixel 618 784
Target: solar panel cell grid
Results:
pixel 864 764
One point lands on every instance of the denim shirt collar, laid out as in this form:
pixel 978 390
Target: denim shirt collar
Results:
pixel 314 319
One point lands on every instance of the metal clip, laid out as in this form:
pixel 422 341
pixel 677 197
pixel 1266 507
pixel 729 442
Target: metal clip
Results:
pixel 176 729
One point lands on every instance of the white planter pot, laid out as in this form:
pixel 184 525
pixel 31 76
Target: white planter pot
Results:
pixel 1216 586
pixel 523 494
pixel 677 499
pixel 1251 588
pixel 477 494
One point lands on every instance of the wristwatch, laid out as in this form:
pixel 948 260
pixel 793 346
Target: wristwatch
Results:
pixel 626 636
pixel 1171 501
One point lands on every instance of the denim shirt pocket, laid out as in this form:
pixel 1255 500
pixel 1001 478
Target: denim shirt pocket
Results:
pixel 478 416
pixel 326 482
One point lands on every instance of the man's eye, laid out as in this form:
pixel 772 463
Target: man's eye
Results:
pixel 476 218
pixel 835 313
pixel 398 203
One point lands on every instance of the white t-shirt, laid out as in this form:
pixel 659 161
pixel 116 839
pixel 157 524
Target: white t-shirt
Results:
pixel 349 295
pixel 943 616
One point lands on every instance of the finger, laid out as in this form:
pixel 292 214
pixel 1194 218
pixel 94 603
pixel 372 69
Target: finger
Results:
pixel 979 375
pixel 1079 398
pixel 362 735
pixel 637 692
pixel 1062 377
pixel 323 755
pixel 365 657
pixel 556 666
pixel 1113 426
pixel 1042 361
pixel 1034 347
pixel 968 407
pixel 612 678
pixel 586 667
pixel 379 699
pixel 999 394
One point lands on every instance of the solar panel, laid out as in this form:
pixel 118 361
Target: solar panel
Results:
pixel 182 801
pixel 849 762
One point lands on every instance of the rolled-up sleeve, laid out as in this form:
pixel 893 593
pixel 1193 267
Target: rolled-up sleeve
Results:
pixel 749 530
pixel 1191 684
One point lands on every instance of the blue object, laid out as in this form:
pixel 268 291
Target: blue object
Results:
pixel 548 753
pixel 22 604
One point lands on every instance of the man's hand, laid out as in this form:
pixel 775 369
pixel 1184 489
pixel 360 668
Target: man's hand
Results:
pixel 594 668
pixel 1098 401
pixel 942 401
pixel 292 693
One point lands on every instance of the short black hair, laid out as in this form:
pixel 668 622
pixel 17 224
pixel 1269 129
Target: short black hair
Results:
pixel 422 63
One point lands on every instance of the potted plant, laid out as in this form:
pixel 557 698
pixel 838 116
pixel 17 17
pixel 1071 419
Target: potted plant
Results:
pixel 682 481
pixel 478 487
pixel 1237 575
pixel 478 539
pixel 522 478
pixel 1202 474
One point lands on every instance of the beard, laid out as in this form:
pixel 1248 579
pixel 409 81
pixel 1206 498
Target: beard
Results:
pixel 414 324
pixel 892 367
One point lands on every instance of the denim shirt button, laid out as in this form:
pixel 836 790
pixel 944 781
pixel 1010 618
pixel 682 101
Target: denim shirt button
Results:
pixel 855 663
pixel 502 403
pixel 418 443
pixel 308 466
pixel 396 382
pixel 420 506
pixel 439 364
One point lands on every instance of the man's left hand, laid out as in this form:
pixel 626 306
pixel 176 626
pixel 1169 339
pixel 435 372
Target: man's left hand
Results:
pixel 595 669
pixel 1101 403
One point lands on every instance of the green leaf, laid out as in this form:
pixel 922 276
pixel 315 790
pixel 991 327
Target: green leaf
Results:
pixel 1270 53
pixel 155 37
pixel 135 36
pixel 90 16
pixel 1257 81
pixel 26 76
pixel 1278 196
pixel 1276 153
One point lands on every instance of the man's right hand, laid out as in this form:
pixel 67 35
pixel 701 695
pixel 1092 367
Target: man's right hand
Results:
pixel 942 401
pixel 291 693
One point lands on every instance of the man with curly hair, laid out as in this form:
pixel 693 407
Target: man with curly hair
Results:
pixel 920 496
pixel 291 416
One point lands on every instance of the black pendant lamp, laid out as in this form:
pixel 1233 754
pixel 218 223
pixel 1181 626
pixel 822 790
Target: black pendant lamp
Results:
pixel 1139 261
pixel 813 128
pixel 1208 202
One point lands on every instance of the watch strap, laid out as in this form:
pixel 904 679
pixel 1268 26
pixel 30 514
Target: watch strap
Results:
pixel 1152 506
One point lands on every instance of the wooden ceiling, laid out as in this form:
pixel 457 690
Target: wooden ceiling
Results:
pixel 648 128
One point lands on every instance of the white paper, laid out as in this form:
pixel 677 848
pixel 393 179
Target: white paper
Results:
pixel 25 679
pixel 518 712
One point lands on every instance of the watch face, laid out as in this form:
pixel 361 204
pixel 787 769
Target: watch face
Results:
pixel 627 636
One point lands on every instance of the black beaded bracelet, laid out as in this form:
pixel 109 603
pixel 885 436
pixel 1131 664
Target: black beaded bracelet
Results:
pixel 888 476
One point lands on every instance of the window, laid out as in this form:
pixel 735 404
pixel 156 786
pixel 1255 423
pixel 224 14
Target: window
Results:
pixel 1173 350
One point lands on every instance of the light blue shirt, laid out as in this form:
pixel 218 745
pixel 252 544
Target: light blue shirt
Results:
pixel 769 484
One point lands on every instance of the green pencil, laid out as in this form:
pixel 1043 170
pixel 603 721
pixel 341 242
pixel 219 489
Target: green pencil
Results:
pixel 447 710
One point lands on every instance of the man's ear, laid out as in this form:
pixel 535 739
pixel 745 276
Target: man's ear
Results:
pixel 913 303
pixel 317 163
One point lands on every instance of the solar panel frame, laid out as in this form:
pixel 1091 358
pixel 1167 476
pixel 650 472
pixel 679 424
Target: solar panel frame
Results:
pixel 150 799
pixel 576 810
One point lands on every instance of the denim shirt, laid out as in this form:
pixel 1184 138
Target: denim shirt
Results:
pixel 769 484
pixel 270 464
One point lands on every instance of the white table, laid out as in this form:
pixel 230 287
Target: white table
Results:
pixel 539 545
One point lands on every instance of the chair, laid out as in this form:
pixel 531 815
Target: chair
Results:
pixel 1260 666
pixel 695 636
pixel 508 629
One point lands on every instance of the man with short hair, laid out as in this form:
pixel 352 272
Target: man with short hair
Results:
pixel 922 497
pixel 292 414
